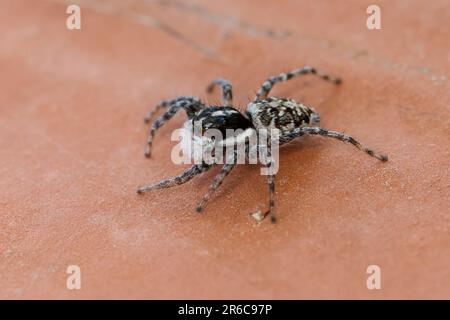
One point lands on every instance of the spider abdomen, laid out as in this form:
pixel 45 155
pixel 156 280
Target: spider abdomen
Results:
pixel 280 113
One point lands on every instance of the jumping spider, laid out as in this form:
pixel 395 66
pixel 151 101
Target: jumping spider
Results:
pixel 292 118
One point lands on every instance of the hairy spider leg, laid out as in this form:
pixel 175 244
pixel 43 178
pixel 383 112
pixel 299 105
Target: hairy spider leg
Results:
pixel 190 104
pixel 340 136
pixel 271 183
pixel 270 82
pixel 183 177
pixel 227 90
pixel 166 103
pixel 218 179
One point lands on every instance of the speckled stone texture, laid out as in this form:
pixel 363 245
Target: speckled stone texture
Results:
pixel 72 143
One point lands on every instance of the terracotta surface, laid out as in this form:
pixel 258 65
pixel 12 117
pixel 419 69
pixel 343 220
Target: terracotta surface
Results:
pixel 72 142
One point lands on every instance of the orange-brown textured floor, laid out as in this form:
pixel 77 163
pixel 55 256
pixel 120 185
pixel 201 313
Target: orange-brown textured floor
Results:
pixel 72 142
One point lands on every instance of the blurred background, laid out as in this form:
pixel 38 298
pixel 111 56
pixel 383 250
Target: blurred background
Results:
pixel 72 142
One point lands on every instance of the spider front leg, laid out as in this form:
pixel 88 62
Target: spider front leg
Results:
pixel 183 177
pixel 190 104
pixel 342 137
pixel 167 103
pixel 269 83
pixel 227 90
pixel 218 179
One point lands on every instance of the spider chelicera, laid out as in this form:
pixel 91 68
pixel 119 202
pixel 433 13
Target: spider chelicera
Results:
pixel 291 118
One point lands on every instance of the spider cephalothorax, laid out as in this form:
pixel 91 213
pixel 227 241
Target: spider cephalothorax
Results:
pixel 291 118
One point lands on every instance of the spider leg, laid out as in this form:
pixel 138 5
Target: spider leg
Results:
pixel 218 179
pixel 227 90
pixel 271 211
pixel 163 104
pixel 167 103
pixel 269 83
pixel 343 137
pixel 183 177
pixel 190 104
